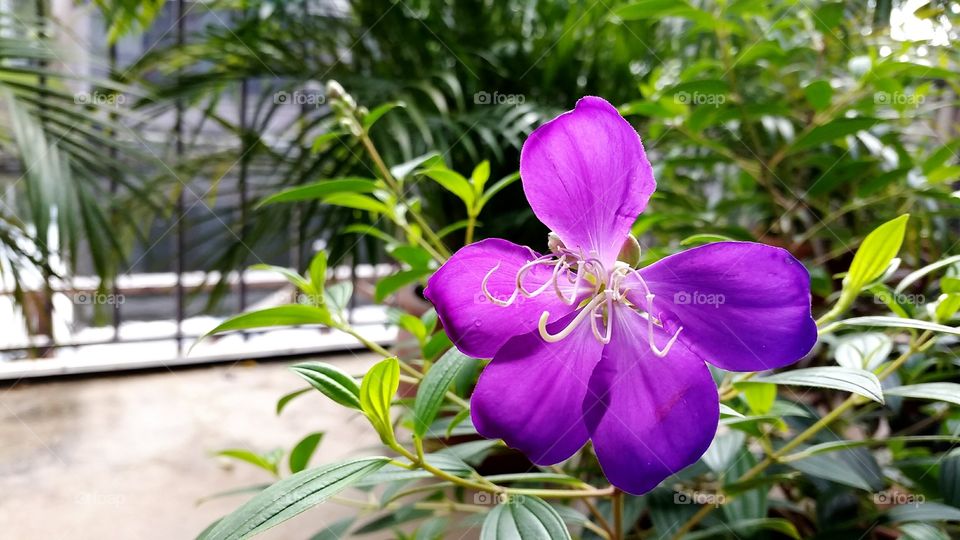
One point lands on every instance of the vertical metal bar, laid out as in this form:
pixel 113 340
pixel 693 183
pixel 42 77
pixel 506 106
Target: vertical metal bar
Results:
pixel 180 217
pixel 45 315
pixel 114 184
pixel 242 185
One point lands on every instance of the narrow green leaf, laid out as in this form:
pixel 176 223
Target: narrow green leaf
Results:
pixel 318 274
pixel 729 411
pixel 480 175
pixel 698 239
pixel 857 381
pixel 928 511
pixel 289 315
pixel 391 284
pixel 331 382
pixel 432 388
pixel 291 496
pixel 303 451
pixel 937 391
pixel 320 190
pixel 357 202
pixel 875 253
pixel 371 117
pixel 335 531
pixel 524 518
pixel 897 322
pixel 919 273
pixel 746 528
pixel 294 278
pixel 377 390
pixel 286 399
pixel 257 460
pixel 865 350
pixel 452 182
pixel 833 130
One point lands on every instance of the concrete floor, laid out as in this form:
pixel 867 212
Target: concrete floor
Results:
pixel 128 456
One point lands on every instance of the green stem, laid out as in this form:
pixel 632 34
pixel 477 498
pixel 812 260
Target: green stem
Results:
pixel 471 224
pixel 616 501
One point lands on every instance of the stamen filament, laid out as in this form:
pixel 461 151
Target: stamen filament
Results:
pixel 587 310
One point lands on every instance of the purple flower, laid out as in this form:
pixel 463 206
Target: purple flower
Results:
pixel 584 346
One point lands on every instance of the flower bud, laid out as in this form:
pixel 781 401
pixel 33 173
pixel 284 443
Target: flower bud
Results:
pixel 630 252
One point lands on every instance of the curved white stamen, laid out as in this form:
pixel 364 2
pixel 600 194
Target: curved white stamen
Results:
pixel 587 310
pixel 598 315
pixel 649 296
pixel 495 300
pixel 526 268
pixel 575 282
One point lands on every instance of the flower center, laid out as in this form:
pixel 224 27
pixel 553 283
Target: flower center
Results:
pixel 574 274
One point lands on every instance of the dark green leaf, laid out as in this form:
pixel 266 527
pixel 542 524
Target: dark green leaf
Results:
pixel 525 518
pixel 432 388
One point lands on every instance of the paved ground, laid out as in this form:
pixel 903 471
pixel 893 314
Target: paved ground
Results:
pixel 127 457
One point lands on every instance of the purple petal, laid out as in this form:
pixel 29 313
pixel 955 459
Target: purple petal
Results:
pixel 648 417
pixel 587 177
pixel 477 326
pixel 531 395
pixel 743 306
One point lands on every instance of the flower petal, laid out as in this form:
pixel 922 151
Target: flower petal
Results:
pixel 743 306
pixel 531 395
pixel 477 326
pixel 648 417
pixel 587 177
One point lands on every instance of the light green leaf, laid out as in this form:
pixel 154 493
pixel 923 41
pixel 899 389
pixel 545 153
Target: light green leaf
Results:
pixel 760 397
pixel 729 411
pixel 290 315
pixel 357 202
pixel 922 531
pixel 391 284
pixel 866 350
pixel 947 306
pixel 318 274
pixel 854 467
pixel 331 382
pixel 875 253
pixel 937 391
pixel 698 239
pixel 291 496
pixel 337 296
pixel 525 518
pixel 371 117
pixel 919 273
pixel 320 190
pixel 294 278
pixel 432 389
pixel 303 451
pixel 857 381
pixel 497 188
pixel 377 389
pixel 452 182
pixel 335 531
pixel 480 175
pixel 834 446
pixel 286 399
pixel 266 462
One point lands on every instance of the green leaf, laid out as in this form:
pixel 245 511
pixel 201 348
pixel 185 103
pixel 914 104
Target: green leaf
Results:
pixel 760 397
pixel 497 188
pixel 337 296
pixel 834 446
pixel 950 479
pixel 357 202
pixel 524 518
pixel 857 381
pixel 875 253
pixel 746 528
pixel 922 531
pixel 456 421
pixel 919 273
pixel 391 284
pixel 336 530
pixel 331 382
pixel 947 306
pixel 937 391
pixel 294 314
pixel 865 350
pixel 854 467
pixel 833 130
pixel 265 462
pixel 377 389
pixel 698 239
pixel 303 451
pixel 285 400
pixel 294 278
pixel 322 189
pixel 318 274
pixel 480 175
pixel 371 117
pixel 928 511
pixel 432 389
pixel 898 322
pixel 818 94
pixel 291 496
pixel 452 182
